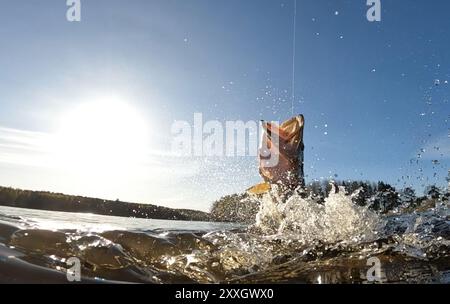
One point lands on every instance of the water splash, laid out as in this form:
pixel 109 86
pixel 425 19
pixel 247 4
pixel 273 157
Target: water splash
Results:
pixel 337 219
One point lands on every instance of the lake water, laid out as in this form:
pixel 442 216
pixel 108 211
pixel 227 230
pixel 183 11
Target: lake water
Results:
pixel 297 241
pixel 52 220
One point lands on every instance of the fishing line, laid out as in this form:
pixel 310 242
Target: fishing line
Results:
pixel 293 56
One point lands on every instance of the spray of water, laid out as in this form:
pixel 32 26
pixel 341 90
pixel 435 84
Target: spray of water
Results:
pixel 338 219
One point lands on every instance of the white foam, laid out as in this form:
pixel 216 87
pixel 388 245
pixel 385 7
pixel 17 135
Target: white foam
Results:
pixel 338 219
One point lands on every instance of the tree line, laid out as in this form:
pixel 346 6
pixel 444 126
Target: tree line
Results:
pixel 42 200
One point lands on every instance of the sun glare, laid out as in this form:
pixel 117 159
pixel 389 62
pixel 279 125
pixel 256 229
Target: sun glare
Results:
pixel 105 134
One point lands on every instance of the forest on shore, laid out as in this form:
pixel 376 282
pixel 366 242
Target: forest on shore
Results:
pixel 42 200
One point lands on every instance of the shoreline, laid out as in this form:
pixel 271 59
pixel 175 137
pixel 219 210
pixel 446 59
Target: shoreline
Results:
pixel 49 201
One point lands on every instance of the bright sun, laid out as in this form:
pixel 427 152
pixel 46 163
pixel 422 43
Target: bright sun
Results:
pixel 106 133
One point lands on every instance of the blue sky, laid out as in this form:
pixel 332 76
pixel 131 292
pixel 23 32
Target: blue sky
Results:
pixel 368 90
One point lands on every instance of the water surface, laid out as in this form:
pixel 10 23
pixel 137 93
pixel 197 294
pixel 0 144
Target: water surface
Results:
pixel 293 241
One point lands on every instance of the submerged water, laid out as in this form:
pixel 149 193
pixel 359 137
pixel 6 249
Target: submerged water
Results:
pixel 296 240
